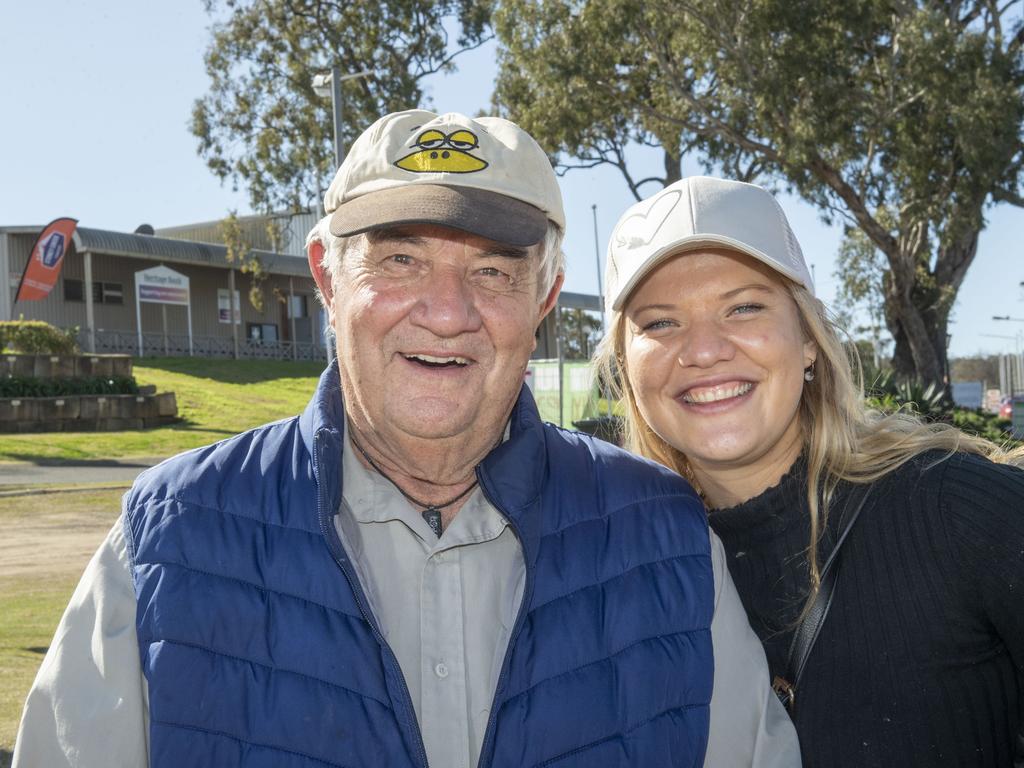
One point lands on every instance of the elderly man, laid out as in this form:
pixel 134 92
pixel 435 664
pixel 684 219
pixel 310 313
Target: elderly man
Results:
pixel 416 570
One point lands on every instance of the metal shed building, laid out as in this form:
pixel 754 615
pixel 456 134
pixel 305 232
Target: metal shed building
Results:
pixel 96 292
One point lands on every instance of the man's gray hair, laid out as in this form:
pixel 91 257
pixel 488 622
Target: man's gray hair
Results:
pixel 552 260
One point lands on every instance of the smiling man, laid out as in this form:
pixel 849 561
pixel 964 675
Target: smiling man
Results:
pixel 416 570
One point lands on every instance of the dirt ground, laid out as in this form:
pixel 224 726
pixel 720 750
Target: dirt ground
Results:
pixel 54 533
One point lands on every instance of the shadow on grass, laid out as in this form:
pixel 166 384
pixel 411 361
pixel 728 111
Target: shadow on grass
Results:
pixel 233 371
pixel 6 758
pixel 40 649
pixel 48 461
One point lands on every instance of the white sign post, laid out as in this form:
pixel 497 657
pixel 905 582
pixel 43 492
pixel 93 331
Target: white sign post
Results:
pixel 161 285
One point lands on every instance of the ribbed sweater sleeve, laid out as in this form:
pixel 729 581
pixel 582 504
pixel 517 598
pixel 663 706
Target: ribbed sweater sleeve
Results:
pixel 984 515
pixel 921 659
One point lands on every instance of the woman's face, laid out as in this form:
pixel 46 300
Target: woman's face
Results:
pixel 715 356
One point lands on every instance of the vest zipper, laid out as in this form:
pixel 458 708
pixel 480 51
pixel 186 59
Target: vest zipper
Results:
pixel 484 759
pixel 327 529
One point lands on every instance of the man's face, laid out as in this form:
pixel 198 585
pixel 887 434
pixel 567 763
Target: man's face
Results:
pixel 435 328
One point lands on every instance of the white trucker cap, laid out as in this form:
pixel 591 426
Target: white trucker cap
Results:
pixel 486 176
pixel 700 212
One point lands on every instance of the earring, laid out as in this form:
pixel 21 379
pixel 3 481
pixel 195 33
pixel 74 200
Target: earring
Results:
pixel 809 372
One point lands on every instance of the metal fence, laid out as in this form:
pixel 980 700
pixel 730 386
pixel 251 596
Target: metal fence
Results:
pixel 177 345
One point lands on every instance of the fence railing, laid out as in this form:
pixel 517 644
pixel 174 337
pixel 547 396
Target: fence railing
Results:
pixel 176 345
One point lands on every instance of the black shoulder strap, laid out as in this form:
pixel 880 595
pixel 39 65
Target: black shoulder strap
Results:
pixel 807 632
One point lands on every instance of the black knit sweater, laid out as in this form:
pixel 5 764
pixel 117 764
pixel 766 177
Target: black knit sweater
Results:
pixel 921 659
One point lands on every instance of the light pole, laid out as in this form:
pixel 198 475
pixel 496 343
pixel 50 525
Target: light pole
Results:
pixel 324 85
pixel 330 84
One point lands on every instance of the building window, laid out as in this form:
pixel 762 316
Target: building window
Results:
pixel 297 306
pixel 73 290
pixel 102 293
pixel 112 293
pixel 261 331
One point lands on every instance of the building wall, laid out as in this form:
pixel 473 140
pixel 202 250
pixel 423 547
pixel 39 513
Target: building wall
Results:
pixel 6 294
pixel 204 282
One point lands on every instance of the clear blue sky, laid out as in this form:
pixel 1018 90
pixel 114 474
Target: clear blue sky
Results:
pixel 96 97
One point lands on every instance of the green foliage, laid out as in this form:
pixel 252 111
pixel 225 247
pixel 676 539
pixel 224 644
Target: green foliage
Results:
pixel 986 425
pixel 37 337
pixel 904 120
pixel 240 252
pixel 262 125
pixel 930 400
pixel 17 386
pixel 888 395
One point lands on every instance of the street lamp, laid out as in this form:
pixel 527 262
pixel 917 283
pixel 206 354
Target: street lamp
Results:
pixel 1007 317
pixel 329 83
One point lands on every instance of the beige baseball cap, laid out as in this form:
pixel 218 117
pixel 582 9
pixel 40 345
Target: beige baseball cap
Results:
pixel 700 212
pixel 485 175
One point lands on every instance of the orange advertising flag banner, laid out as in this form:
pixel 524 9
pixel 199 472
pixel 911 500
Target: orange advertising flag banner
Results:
pixel 44 264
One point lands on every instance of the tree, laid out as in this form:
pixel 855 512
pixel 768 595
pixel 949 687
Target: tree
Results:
pixel 262 126
pixel 580 332
pixel 976 368
pixel 863 277
pixel 902 118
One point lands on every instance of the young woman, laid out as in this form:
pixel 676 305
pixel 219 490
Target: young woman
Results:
pixel 733 375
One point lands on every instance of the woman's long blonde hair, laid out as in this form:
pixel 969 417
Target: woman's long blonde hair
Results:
pixel 843 439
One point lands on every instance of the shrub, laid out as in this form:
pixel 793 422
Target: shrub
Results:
pixel 986 425
pixel 37 337
pixel 15 386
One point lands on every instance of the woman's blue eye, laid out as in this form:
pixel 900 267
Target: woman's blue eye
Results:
pixel 745 309
pixel 657 324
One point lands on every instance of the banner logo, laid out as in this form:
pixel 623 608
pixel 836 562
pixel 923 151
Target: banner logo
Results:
pixel 51 250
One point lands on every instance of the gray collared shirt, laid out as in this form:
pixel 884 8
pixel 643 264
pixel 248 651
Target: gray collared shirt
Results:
pixel 446 608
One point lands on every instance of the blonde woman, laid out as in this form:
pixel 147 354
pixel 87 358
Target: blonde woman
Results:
pixel 908 649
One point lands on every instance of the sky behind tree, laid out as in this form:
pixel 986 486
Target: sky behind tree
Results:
pixel 96 101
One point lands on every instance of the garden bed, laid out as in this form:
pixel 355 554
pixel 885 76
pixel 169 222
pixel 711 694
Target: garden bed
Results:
pixel 87 413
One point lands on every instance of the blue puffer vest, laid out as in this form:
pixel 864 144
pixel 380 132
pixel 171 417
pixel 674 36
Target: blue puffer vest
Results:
pixel 260 650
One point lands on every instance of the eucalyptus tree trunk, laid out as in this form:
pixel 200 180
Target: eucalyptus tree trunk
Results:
pixel 919 298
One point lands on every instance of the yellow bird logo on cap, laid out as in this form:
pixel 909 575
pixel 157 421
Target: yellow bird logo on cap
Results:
pixel 443 153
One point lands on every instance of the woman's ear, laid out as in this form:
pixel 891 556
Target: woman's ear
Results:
pixel 810 353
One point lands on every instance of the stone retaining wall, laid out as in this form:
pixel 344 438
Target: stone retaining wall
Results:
pixel 87 413
pixel 65 366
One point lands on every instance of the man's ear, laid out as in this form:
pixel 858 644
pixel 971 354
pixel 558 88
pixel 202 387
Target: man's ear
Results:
pixel 552 297
pixel 315 254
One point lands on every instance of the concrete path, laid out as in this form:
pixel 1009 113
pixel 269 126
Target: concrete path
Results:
pixel 112 471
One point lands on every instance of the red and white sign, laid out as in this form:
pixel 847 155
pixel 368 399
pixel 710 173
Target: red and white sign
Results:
pixel 47 258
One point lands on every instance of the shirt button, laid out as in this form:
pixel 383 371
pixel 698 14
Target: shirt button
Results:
pixel 441 670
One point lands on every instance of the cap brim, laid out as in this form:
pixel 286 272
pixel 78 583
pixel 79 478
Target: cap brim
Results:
pixel 693 243
pixel 477 211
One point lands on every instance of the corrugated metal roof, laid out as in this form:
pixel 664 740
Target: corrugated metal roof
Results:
pixel 292 231
pixel 182 251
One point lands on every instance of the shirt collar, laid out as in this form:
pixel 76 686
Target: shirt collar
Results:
pixel 371 498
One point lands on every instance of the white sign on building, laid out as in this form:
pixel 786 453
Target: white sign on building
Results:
pixel 161 285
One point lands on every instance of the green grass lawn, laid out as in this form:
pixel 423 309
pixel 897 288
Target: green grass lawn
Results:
pixel 216 399
pixel 37 581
